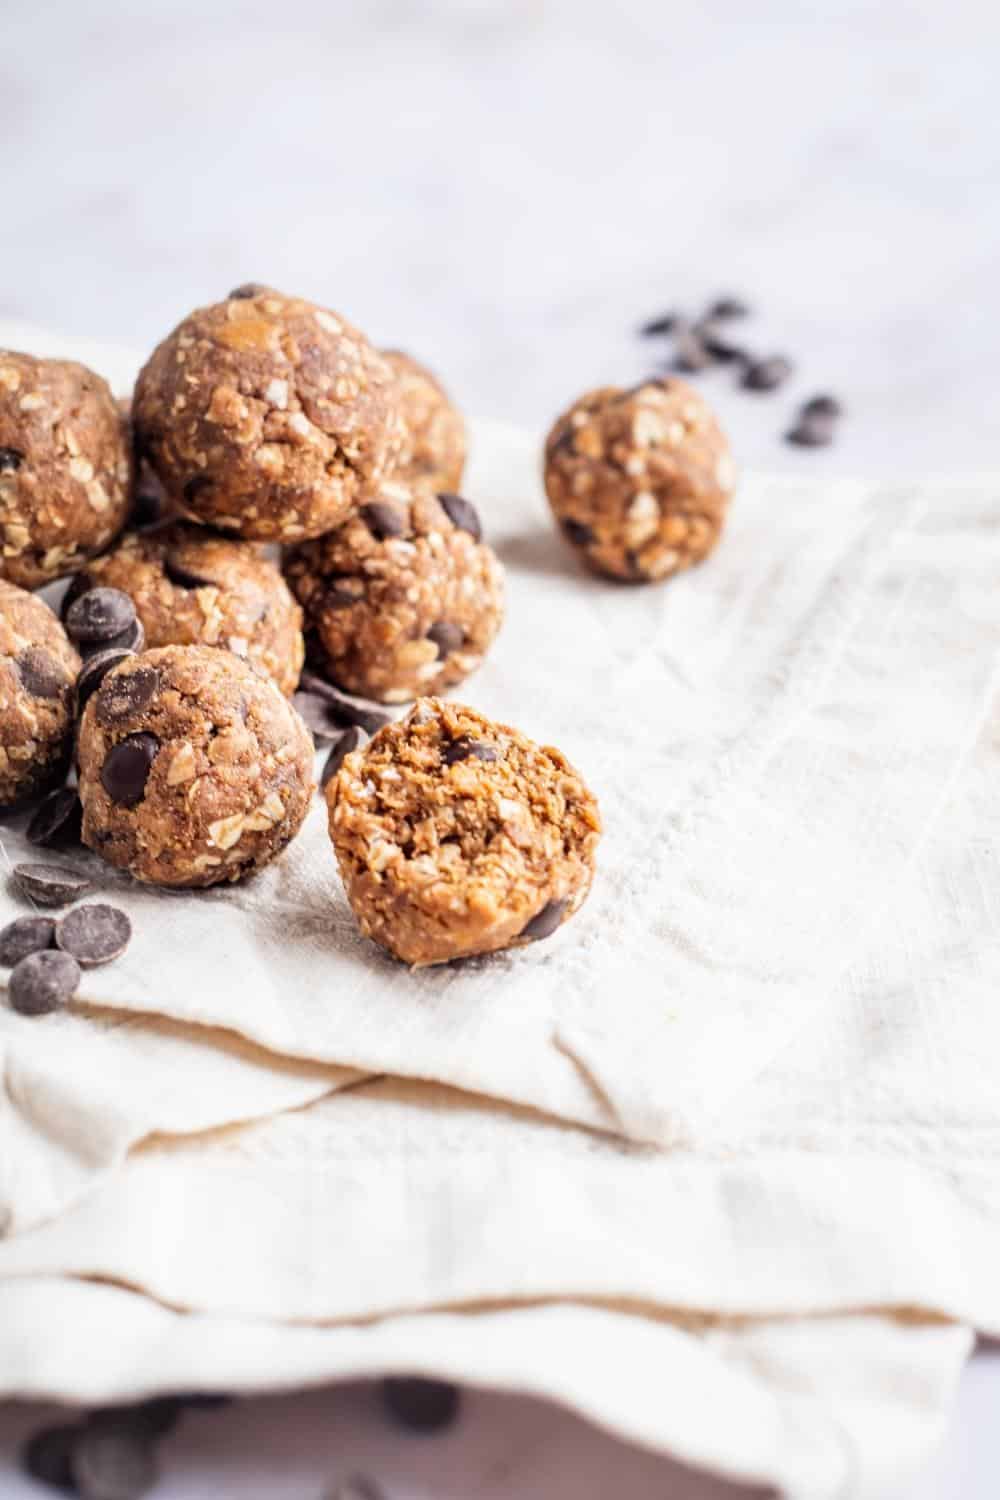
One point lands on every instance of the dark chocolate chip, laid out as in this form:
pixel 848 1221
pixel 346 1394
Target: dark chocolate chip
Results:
pixel 23 936
pixel 576 532
pixel 41 674
pixel 466 748
pixel 204 1400
pixel 446 636
pixel 195 485
pixel 94 671
pixel 664 323
pixel 767 374
pixel 822 406
pixel 248 289
pixel 10 460
pixel 79 584
pixel 99 615
pixel 348 741
pixel 384 519
pixel 150 509
pixel 544 923
pixel 463 514
pixel 345 710
pixel 111 1463
pixel 729 307
pixel 43 982
pixel 690 352
pixel 126 694
pixel 46 1456
pixel 421 1405
pixel 182 576
pixel 132 640
pixel 56 819
pixel 316 713
pixel 94 935
pixel 813 431
pixel 151 1419
pixel 722 350
pixel 50 885
pixel 127 766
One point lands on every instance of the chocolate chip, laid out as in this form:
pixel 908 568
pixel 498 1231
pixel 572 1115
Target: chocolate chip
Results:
pixel 348 741
pixel 99 615
pixel 111 1463
pixel 446 636
pixel 46 1456
pixel 182 576
pixel 40 673
pixel 150 509
pixel 421 1405
pixel 690 353
pixel 664 323
pixel 94 935
pixel 127 766
pixel 248 289
pixel 132 640
pixel 466 748
pixel 316 713
pixel 94 671
pixel 79 584
pixel 728 307
pixel 23 936
pixel 544 923
pixel 383 519
pixel 195 485
pixel 10 460
pixel 767 374
pixel 126 694
pixel 204 1400
pixel 50 885
pixel 43 982
pixel 576 532
pixel 152 1419
pixel 56 820
pixel 822 406
pixel 812 431
pixel 463 514
pixel 722 350
pixel 345 710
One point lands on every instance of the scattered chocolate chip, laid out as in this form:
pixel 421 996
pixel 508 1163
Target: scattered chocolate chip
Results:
pixel 204 1400
pixel 383 519
pixel 822 406
pixel 577 532
pixel 466 748
pixel 690 353
pixel 344 709
pixel 150 509
pixel 182 576
pixel 152 1419
pixel 43 982
pixel 664 323
pixel 126 694
pixel 195 485
pixel 50 885
pixel 41 675
pixel 111 1463
pixel 46 1456
pixel 766 374
pixel 341 749
pixel 421 1405
pixel 131 641
pixel 316 713
pixel 10 460
pixel 94 935
pixel 544 923
pixel 23 936
pixel 94 671
pixel 99 615
pixel 248 289
pixel 813 431
pixel 463 514
pixel 729 307
pixel 722 350
pixel 127 766
pixel 56 820
pixel 446 636
pixel 79 584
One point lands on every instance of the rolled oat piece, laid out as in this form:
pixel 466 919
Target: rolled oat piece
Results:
pixel 433 450
pixel 456 835
pixel 193 767
pixel 640 480
pixel 267 416
pixel 38 670
pixel 65 468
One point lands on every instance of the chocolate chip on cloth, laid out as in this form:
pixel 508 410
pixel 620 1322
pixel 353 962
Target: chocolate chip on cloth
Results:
pixel 267 416
pixel 94 934
pixel 50 885
pixel 194 769
pixel 38 668
pixel 23 936
pixel 110 1461
pixel 640 480
pixel 65 468
pixel 433 448
pixel 43 982
pixel 191 588
pixel 444 855
pixel 403 599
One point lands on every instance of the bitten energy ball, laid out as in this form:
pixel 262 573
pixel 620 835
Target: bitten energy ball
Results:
pixel 640 480
pixel 191 588
pixel 405 598
pixel 267 416
pixel 65 469
pixel 38 668
pixel 433 448
pixel 193 768
pixel 455 835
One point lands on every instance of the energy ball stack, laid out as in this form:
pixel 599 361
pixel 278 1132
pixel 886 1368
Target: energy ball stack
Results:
pixel 38 670
pixel 640 480
pixel 65 468
pixel 433 450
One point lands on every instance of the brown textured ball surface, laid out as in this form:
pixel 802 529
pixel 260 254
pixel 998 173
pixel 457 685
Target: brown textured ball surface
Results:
pixel 65 467
pixel 193 767
pixel 403 601
pixel 38 669
pixel 433 450
pixel 192 588
pixel 267 416
pixel 640 480
pixel 456 835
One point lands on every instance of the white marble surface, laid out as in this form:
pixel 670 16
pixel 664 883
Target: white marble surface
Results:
pixel 507 187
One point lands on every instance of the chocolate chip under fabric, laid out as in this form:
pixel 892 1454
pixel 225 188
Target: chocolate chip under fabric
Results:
pixel 422 1406
pixel 113 1463
pixel 43 982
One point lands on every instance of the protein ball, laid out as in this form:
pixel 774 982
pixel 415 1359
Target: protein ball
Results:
pixel 191 588
pixel 640 480
pixel 38 668
pixel 267 416
pixel 194 769
pixel 433 450
pixel 403 600
pixel 456 835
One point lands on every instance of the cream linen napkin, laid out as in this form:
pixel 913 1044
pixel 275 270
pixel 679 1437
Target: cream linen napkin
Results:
pixel 824 1410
